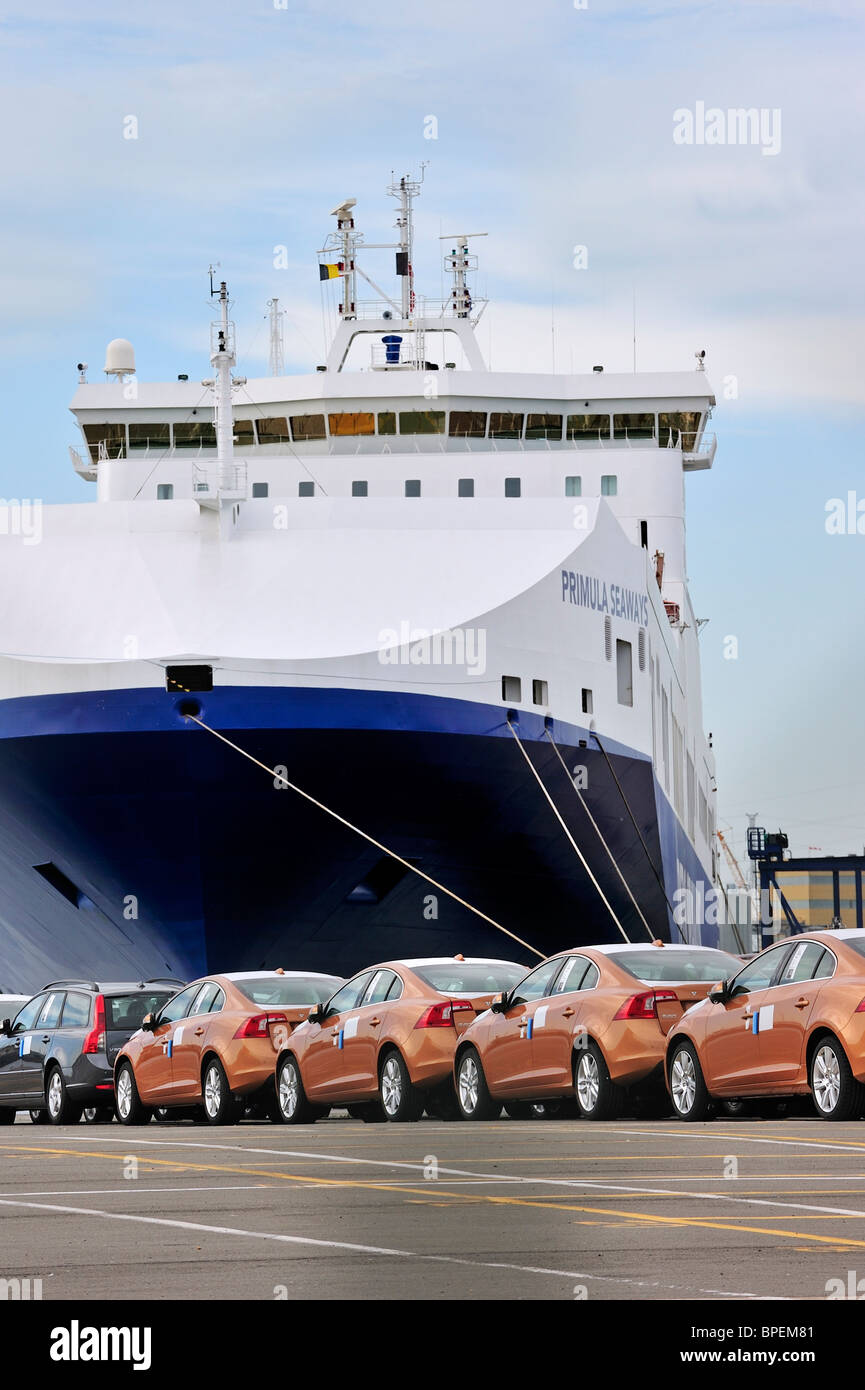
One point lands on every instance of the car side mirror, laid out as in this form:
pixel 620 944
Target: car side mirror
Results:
pixel 316 1015
pixel 499 1003
pixel 7 1028
pixel 719 994
pixel 150 1023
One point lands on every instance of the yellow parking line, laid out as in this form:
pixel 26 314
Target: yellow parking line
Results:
pixel 698 1223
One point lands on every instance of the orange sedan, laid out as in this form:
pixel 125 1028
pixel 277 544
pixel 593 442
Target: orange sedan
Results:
pixel 589 1023
pixel 384 1044
pixel 214 1044
pixel 789 1023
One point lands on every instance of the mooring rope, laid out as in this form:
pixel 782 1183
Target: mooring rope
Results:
pixel 278 777
pixel 597 828
pixel 574 846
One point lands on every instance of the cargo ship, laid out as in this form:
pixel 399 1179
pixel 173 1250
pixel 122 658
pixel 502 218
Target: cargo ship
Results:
pixel 443 608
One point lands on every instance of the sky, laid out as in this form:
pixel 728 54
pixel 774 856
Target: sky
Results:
pixel 554 129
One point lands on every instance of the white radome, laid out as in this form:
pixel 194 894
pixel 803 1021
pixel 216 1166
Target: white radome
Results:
pixel 119 358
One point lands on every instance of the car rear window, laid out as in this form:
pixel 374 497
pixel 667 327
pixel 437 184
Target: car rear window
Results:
pixel 308 989
pixel 703 966
pixel 462 977
pixel 128 1011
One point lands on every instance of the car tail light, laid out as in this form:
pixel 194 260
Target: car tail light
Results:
pixel 645 1005
pixel 95 1040
pixel 860 1008
pixel 442 1015
pixel 256 1027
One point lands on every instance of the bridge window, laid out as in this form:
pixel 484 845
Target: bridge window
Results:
pixel 512 487
pixel 387 422
pixel 467 424
pixel 259 489
pixel 512 689
pixel 466 487
pixel 624 672
pixel 360 489
pixel 306 489
pixel 544 427
pixel 421 422
pixel 152 436
pixel 573 487
pixel 164 492
pixel 589 427
pixel 633 426
pixel 195 434
pixel 609 485
pixel 505 425
pixel 680 425
pixel 303 427
pixel 273 429
pixel 412 487
pixel 348 422
pixel 244 434
pixel 112 436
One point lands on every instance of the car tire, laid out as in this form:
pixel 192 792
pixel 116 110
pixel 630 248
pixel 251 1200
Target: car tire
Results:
pixel 734 1108
pixel 369 1111
pixel 37 1117
pixel 399 1098
pixel 836 1093
pixel 220 1106
pixel 520 1110
pixel 598 1097
pixel 473 1094
pixel 62 1110
pixel 98 1114
pixel 130 1109
pixel 691 1099
pixel 292 1106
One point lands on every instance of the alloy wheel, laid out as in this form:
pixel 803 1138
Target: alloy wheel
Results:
pixel 288 1090
pixel 55 1094
pixel 124 1093
pixel 826 1079
pixel 391 1086
pixel 212 1091
pixel 588 1082
pixel 468 1084
pixel 683 1082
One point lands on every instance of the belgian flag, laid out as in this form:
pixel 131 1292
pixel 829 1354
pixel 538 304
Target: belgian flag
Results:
pixel 331 272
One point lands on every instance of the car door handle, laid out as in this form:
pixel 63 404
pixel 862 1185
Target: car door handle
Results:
pixel 46 1037
pixel 374 1022
pixel 199 1032
pixel 802 1003
pixel 568 1013
pixel 334 1032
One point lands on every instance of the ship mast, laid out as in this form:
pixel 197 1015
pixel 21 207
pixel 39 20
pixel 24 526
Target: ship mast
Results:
pixel 222 358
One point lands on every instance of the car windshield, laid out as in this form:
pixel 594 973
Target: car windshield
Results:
pixel 470 977
pixel 130 1010
pixel 703 966
pixel 287 989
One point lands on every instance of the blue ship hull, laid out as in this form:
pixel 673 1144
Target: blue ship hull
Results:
pixel 132 842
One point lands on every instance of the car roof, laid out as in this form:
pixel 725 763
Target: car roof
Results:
pixel 112 986
pixel 452 960
pixel 615 949
pixel 273 974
